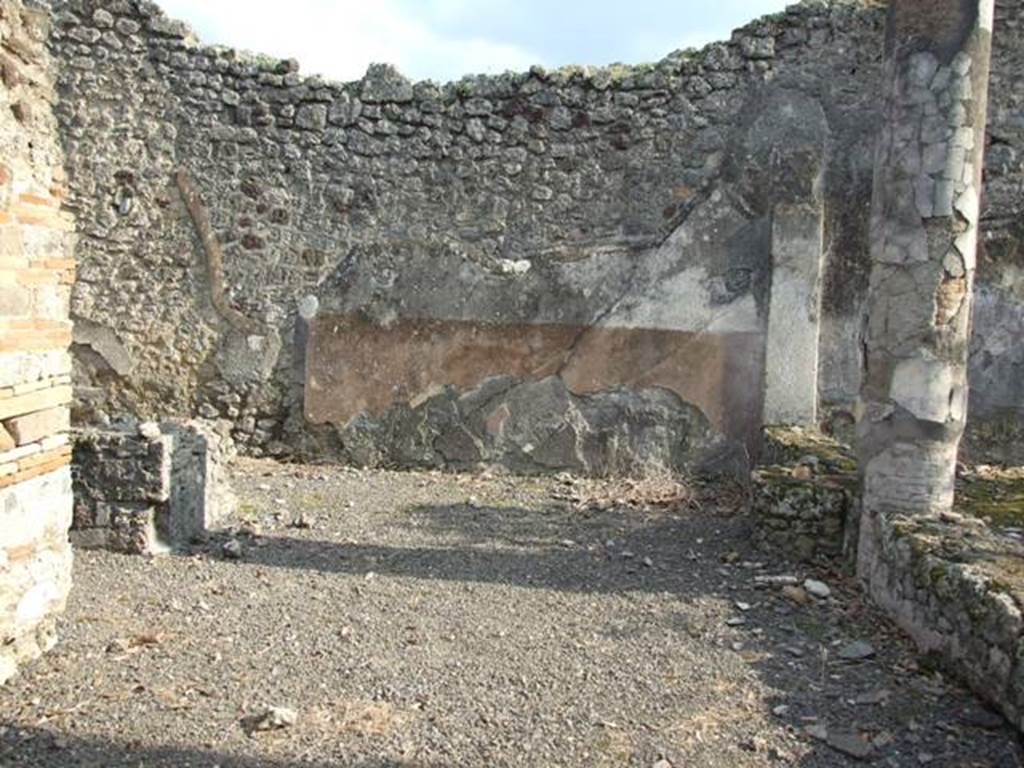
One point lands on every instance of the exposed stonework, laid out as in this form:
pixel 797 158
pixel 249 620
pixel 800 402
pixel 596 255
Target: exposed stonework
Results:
pixel 626 416
pixel 804 496
pixel 150 489
pixel 613 199
pixel 955 587
pixel 637 198
pixel 954 583
pixel 36 270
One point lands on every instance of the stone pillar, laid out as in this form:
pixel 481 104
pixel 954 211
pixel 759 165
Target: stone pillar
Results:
pixel 923 243
pixel 36 271
pixel 151 489
pixel 791 355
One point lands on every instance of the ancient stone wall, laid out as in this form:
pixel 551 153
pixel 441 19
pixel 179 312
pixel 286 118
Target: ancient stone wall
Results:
pixel 150 488
pixel 952 582
pixel 587 269
pixel 36 271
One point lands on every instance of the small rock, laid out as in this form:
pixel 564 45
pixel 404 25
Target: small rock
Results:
pixel 802 473
pixel 735 621
pixel 780 710
pixel 662 764
pixel 849 744
pixel 817 588
pixel 880 696
pixel 740 605
pixel 976 717
pixel 797 594
pixel 149 430
pixel 858 650
pixel 232 549
pixel 883 739
pixel 117 645
pixel 777 581
pixel 647 562
pixel 301 521
pixel 817 731
pixel 274 719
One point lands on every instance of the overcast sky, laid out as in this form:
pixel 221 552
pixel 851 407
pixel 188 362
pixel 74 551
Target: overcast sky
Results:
pixel 445 39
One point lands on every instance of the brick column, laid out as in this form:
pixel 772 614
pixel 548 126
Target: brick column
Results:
pixel 36 272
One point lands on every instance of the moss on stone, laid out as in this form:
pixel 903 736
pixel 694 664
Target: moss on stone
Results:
pixel 994 495
pixel 789 445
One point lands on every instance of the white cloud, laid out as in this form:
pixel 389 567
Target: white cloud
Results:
pixel 338 38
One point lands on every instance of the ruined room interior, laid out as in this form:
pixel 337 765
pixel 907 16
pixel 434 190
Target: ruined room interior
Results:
pixel 557 417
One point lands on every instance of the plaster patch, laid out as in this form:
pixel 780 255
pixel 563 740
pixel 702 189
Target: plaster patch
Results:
pixel 986 14
pixel 967 245
pixel 36 604
pixel 923 387
pixel 967 204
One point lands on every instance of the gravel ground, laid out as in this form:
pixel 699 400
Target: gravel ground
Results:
pixel 422 619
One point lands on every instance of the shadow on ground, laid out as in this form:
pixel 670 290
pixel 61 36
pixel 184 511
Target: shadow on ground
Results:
pixel 66 751
pixel 517 547
pixel 684 576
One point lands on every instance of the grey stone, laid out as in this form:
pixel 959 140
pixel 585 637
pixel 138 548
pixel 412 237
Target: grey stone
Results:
pixel 274 719
pixel 757 47
pixel 232 549
pixel 817 588
pixel 102 18
pixel 851 744
pixel 383 82
pixel 858 650
pixel 311 117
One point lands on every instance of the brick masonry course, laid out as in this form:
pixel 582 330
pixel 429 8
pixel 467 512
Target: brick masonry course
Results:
pixel 36 271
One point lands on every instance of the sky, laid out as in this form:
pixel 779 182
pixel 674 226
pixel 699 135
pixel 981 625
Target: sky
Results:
pixel 444 39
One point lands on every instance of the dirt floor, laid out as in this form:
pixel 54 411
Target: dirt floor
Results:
pixel 376 619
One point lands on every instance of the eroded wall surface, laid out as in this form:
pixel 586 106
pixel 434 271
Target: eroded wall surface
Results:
pixel 531 269
pixel 36 271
